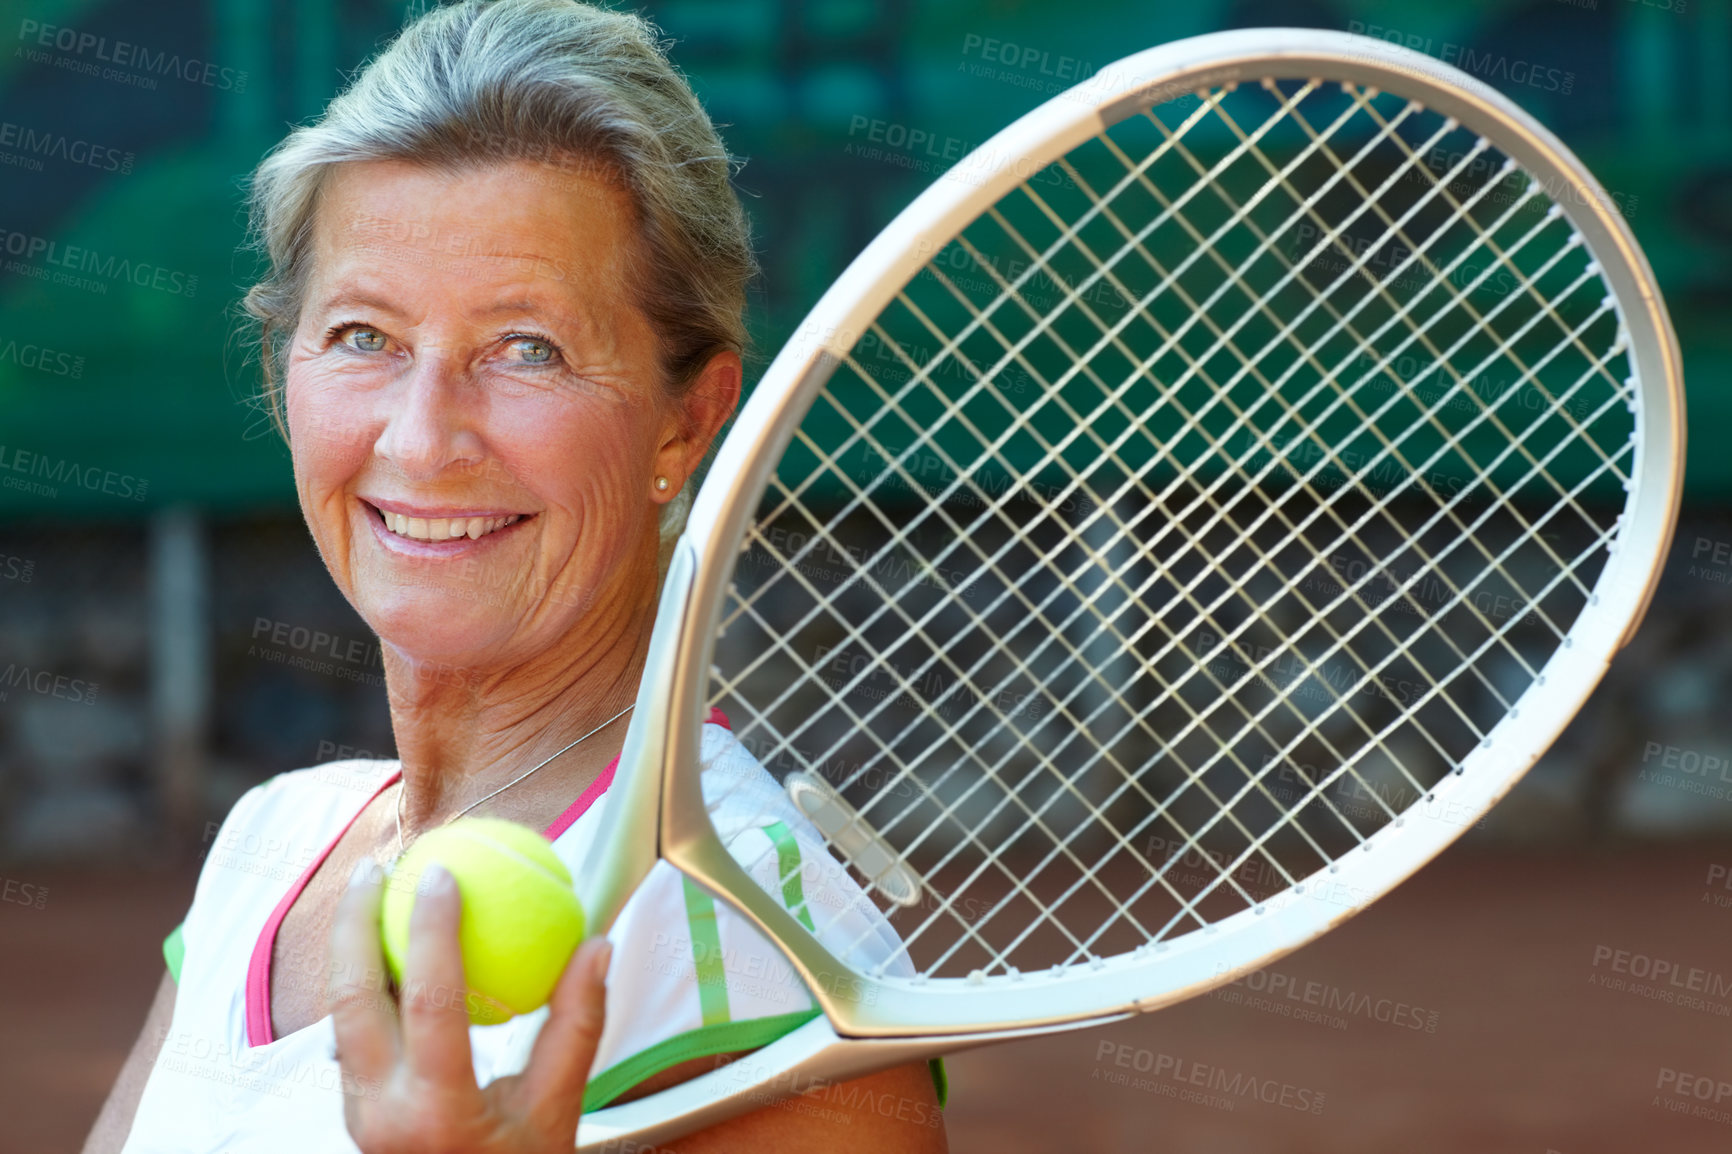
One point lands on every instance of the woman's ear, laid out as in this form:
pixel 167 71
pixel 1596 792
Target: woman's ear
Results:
pixel 696 419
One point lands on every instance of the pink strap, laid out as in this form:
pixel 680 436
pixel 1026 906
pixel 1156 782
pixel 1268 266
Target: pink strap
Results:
pixel 584 800
pixel 259 1031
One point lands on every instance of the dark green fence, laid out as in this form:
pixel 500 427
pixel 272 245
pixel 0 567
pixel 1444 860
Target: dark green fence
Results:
pixel 127 129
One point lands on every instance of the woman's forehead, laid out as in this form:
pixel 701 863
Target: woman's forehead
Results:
pixel 385 224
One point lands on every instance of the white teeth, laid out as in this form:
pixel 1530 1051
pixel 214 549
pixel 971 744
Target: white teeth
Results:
pixel 445 528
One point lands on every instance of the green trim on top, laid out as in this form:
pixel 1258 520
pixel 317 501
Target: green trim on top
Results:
pixel 174 952
pixel 788 868
pixel 940 1080
pixel 707 954
pixel 699 1043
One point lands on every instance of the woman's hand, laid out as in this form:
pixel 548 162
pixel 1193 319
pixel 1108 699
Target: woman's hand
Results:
pixel 410 1064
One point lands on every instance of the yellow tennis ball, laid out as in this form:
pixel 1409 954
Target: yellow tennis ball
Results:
pixel 521 919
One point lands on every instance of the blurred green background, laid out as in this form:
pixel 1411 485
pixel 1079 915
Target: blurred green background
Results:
pixel 154 412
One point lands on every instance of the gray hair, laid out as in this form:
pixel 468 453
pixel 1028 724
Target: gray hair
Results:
pixel 553 81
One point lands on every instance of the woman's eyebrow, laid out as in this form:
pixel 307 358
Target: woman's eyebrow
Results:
pixel 524 305
pixel 555 313
pixel 353 298
pixel 347 297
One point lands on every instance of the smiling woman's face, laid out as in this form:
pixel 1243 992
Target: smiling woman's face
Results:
pixel 474 407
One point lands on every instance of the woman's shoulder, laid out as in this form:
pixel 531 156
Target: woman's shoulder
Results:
pixel 302 804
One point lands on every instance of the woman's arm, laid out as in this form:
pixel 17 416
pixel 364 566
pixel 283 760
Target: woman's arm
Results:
pixel 115 1121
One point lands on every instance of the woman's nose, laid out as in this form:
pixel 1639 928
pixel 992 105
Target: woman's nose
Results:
pixel 428 426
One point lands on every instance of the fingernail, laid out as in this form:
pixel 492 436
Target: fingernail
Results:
pixel 599 963
pixel 363 871
pixel 438 879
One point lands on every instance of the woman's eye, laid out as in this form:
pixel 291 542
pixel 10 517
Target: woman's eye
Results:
pixel 534 350
pixel 357 336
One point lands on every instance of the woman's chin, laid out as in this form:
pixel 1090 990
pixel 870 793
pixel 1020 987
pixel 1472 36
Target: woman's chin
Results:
pixel 438 625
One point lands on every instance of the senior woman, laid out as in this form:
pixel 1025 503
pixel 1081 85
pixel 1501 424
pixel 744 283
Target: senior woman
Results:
pixel 501 327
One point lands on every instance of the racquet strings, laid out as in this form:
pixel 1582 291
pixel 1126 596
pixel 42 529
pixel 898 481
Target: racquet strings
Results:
pixel 1186 520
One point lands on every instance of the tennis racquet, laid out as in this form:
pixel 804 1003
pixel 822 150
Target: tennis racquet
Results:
pixel 1190 515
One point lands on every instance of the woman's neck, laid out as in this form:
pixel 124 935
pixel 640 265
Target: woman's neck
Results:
pixel 464 732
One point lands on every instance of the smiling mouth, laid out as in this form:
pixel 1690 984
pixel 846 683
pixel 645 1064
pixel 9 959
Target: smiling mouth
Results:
pixel 444 528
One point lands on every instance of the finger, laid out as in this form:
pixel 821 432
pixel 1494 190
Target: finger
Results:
pixel 564 1051
pixel 434 996
pixel 364 1018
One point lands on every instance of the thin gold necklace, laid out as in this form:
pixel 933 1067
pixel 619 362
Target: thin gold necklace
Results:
pixel 402 783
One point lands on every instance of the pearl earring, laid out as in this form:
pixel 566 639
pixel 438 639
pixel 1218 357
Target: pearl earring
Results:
pixel 661 484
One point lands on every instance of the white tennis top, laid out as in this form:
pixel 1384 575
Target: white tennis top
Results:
pixel 688 978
